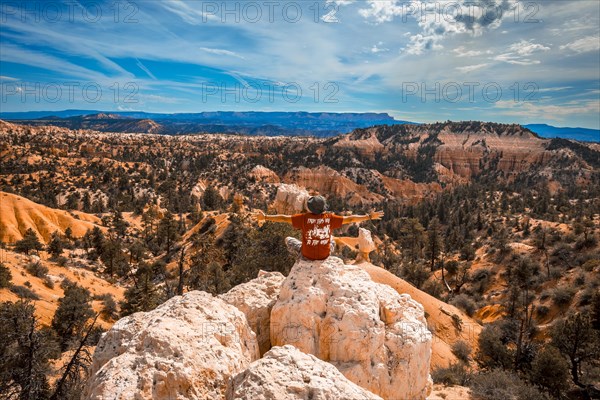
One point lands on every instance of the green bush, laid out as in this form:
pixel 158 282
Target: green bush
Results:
pixel 451 267
pixel 462 351
pixel 464 303
pixel 5 276
pixel 455 374
pixel 590 265
pixel 49 283
pixel 550 370
pixel 542 311
pixel 503 385
pixel 562 296
pixel 24 292
pixel 37 269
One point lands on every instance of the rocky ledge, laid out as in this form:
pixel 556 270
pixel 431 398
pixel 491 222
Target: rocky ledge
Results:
pixel 336 334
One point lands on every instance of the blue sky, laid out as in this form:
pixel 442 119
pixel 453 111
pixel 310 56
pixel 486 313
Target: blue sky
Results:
pixel 491 60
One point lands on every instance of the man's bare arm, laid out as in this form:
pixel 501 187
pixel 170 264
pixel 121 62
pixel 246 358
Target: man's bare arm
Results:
pixel 260 216
pixel 359 218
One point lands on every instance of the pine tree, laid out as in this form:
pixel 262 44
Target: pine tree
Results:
pixel 5 276
pixel 434 242
pixel 143 295
pixel 167 233
pixel 118 224
pixel 551 371
pixel 412 238
pixel 29 242
pixel 578 341
pixel 73 312
pixel 25 352
pixel 55 247
pixel 211 199
pixel 114 259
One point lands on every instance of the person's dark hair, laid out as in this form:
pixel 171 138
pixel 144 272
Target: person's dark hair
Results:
pixel 316 204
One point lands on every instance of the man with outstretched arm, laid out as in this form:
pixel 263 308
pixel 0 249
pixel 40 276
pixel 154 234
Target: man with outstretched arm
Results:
pixel 316 225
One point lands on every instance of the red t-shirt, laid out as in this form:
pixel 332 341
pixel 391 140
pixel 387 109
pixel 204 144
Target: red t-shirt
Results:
pixel 316 233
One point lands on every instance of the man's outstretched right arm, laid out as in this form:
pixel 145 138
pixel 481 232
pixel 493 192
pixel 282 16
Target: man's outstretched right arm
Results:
pixel 260 216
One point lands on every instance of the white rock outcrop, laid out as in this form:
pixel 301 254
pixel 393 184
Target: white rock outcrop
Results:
pixel 187 348
pixel 290 199
pixel 256 299
pixel 376 337
pixel 287 373
pixel 365 244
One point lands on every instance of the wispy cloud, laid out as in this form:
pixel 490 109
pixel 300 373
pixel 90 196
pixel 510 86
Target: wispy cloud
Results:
pixel 519 52
pixel 143 68
pixel 221 52
pixel 536 111
pixel 471 68
pixel 583 45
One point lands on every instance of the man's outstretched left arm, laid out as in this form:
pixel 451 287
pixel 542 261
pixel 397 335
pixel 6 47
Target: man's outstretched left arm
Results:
pixel 359 218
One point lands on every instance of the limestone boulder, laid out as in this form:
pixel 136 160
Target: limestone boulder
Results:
pixel 187 348
pixel 256 299
pixel 290 199
pixel 376 337
pixel 287 373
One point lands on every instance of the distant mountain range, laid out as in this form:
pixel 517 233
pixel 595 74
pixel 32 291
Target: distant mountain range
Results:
pixel 249 123
pixel 549 131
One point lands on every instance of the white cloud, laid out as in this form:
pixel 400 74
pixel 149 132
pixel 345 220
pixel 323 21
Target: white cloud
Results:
pixel 221 52
pixel 518 52
pixel 8 78
pixel 340 2
pixel 188 14
pixel 554 89
pixel 439 19
pixel 376 49
pixel 143 68
pixel 583 45
pixel 527 48
pixel 548 111
pixel 471 68
pixel 461 51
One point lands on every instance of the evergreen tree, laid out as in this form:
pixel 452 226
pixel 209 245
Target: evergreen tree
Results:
pixel 167 233
pixel 199 274
pixel 73 312
pixel 25 351
pixel 114 259
pixel 143 295
pixel 211 199
pixel 5 276
pixel 434 242
pixel 69 233
pixel 118 224
pixel 233 239
pixel 578 341
pixel 56 246
pixel 595 314
pixel 412 238
pixel 493 353
pixel 263 249
pixel 29 242
pixel 551 371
